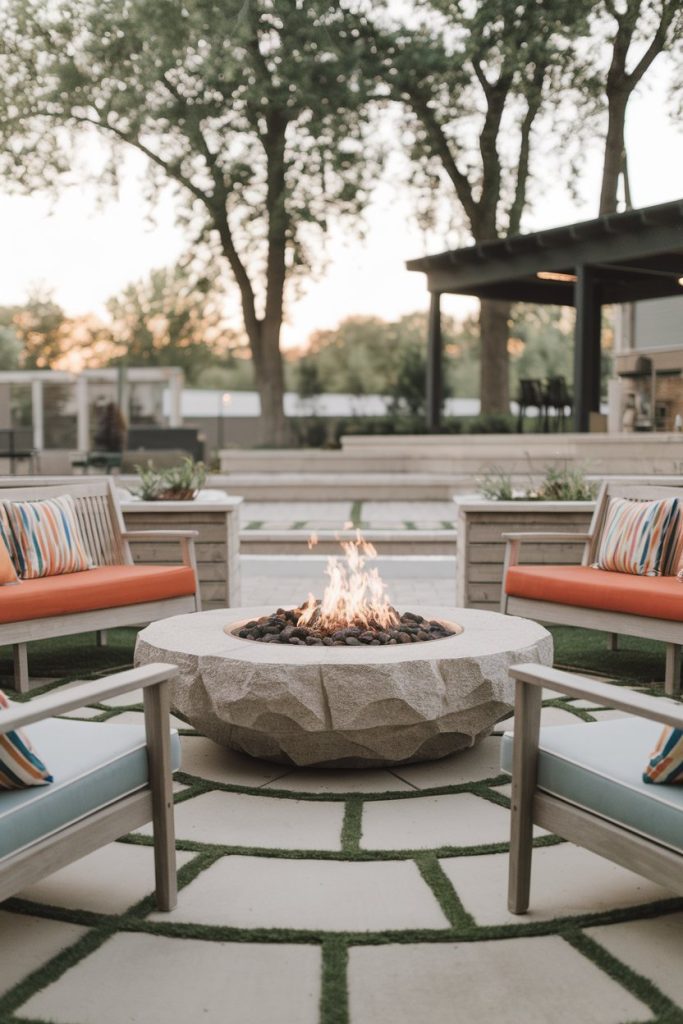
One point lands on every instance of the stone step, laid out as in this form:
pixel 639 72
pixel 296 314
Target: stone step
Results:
pixel 277 486
pixel 387 542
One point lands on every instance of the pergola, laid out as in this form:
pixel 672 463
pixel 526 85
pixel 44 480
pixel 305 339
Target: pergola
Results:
pixel 621 257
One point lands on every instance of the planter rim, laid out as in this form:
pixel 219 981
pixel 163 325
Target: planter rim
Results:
pixel 522 505
pixel 194 505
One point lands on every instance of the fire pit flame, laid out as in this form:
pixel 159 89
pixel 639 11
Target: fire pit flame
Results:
pixel 355 596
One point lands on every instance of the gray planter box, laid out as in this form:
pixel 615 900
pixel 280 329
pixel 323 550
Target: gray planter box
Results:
pixel 217 546
pixel 481 548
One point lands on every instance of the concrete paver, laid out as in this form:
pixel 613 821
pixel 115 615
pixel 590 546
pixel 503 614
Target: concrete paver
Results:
pixel 454 819
pixel 262 892
pixel 566 881
pixel 29 942
pixel 107 881
pixel 485 981
pixel 143 979
pixel 651 948
pixel 240 819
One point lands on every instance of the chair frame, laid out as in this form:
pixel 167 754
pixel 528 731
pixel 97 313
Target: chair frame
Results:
pixel 531 806
pixel 153 803
pixel 614 623
pixel 103 528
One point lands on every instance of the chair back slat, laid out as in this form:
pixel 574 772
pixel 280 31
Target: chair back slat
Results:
pixel 97 514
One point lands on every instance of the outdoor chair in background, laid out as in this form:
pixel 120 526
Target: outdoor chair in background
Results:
pixel 531 396
pixel 16 445
pixel 558 398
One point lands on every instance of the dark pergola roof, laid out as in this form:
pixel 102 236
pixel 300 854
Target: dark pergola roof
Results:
pixel 620 257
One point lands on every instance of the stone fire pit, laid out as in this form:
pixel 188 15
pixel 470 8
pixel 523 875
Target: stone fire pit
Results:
pixel 344 706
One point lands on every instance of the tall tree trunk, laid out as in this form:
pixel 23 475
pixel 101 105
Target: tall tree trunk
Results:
pixel 270 382
pixel 613 163
pixel 495 376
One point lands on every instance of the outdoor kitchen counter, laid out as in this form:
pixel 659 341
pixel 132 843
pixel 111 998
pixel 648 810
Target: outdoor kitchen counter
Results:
pixel 344 706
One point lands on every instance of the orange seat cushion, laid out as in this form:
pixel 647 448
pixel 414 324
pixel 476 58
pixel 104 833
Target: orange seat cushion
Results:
pixel 657 597
pixel 109 586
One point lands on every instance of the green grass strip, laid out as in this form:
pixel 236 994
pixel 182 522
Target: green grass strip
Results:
pixel 408 524
pixel 255 524
pixel 665 1010
pixel 356 514
pixel 52 970
pixel 352 827
pixel 334 997
pixel 434 875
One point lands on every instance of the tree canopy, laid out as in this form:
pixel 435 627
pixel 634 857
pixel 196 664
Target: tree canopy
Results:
pixel 246 106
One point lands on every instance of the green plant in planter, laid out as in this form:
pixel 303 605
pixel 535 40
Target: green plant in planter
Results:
pixel 180 483
pixel 496 485
pixel 566 485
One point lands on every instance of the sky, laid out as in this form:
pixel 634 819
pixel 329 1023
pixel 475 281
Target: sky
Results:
pixel 85 252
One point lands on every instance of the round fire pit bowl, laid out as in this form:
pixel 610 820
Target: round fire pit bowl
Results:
pixel 352 707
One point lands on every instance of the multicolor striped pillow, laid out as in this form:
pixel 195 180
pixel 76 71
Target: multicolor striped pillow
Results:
pixel 20 766
pixel 666 760
pixel 46 538
pixel 640 537
pixel 8 574
pixel 7 545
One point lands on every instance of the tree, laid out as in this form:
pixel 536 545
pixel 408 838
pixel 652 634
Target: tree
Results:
pixel 174 318
pixel 243 105
pixel 472 80
pixel 636 32
pixel 40 328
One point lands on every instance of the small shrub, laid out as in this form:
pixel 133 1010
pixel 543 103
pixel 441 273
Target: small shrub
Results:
pixel 496 485
pixel 180 483
pixel 566 485
pixel 493 423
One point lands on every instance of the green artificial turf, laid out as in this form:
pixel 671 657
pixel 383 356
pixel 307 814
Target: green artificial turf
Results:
pixel 636 661
pixel 71 657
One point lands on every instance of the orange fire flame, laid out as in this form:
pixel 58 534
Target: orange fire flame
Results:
pixel 355 596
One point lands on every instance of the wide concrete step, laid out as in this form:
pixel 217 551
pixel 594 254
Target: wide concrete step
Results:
pixel 276 486
pixel 388 542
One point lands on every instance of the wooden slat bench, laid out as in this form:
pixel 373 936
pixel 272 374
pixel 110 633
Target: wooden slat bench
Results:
pixel 115 592
pixel 617 603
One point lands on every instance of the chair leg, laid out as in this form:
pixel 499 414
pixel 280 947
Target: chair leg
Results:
pixel 21 676
pixel 672 674
pixel 524 758
pixel 102 638
pixel 613 642
pixel 157 726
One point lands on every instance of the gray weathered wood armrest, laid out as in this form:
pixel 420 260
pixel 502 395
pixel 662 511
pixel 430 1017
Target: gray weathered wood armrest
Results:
pixel 603 694
pixel 548 538
pixel 60 701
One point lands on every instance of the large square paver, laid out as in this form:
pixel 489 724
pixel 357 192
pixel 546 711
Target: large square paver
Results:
pixel 274 823
pixel 479 762
pixel 510 981
pixel 29 942
pixel 211 761
pixel 147 979
pixel 454 819
pixel 323 895
pixel 107 881
pixel 565 881
pixel 651 948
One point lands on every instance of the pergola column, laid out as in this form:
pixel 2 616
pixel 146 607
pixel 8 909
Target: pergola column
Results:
pixel 587 350
pixel 82 414
pixel 38 414
pixel 434 365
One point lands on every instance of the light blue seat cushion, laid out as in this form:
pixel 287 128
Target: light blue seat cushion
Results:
pixel 93 764
pixel 599 766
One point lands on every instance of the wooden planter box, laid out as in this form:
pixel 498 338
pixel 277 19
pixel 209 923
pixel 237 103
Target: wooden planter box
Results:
pixel 217 545
pixel 480 527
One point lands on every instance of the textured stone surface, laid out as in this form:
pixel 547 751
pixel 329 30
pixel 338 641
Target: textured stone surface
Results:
pixel 359 707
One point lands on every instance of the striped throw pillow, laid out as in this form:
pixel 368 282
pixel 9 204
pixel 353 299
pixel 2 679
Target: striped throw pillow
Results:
pixel 8 574
pixel 46 538
pixel 640 537
pixel 20 766
pixel 666 760
pixel 7 545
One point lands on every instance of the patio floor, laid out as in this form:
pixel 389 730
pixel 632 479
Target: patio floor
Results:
pixel 371 897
